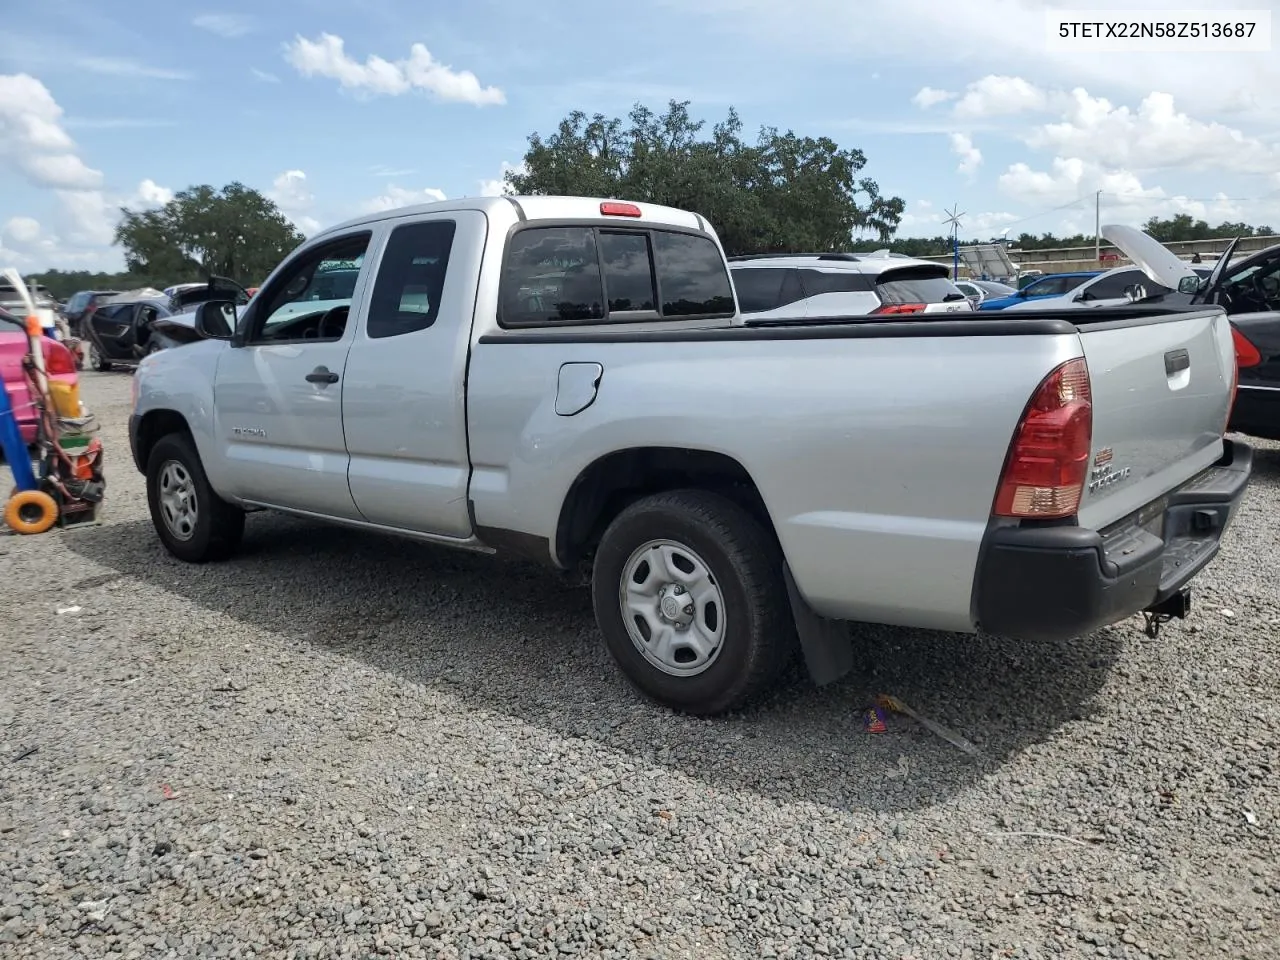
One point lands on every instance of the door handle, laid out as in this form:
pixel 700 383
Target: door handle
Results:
pixel 322 375
pixel 1175 361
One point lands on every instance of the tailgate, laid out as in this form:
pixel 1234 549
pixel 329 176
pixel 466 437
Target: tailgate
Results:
pixel 1161 389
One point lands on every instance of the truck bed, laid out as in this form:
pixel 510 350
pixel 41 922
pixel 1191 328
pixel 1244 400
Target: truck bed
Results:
pixel 877 447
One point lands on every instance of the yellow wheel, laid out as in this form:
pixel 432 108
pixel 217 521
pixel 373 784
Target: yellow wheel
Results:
pixel 31 511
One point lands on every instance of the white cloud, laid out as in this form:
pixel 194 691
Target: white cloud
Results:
pixel 995 96
pixel 25 230
pixel 64 170
pixel 970 156
pixel 498 187
pixel 263 75
pixel 1125 197
pixel 326 57
pixel 149 195
pixel 943 35
pixel 290 193
pixel 33 140
pixel 124 67
pixel 30 118
pixel 1155 136
pixel 400 197
pixel 289 190
pixel 91 217
pixel 923 219
pixel 382 170
pixel 229 25
pixel 929 97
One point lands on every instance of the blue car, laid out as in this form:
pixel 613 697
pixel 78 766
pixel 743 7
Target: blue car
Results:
pixel 1054 285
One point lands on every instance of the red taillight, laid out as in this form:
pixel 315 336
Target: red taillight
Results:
pixel 1048 462
pixel 900 308
pixel 57 358
pixel 1247 354
pixel 611 208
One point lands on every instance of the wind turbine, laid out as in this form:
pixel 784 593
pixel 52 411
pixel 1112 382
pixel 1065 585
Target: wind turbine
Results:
pixel 953 220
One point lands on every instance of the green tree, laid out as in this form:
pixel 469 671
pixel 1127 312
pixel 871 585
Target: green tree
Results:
pixel 63 283
pixel 781 193
pixel 1183 227
pixel 234 232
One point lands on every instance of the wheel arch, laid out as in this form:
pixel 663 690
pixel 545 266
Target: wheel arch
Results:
pixel 153 425
pixel 605 487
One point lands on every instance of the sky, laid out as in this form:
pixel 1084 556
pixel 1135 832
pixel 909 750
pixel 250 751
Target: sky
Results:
pixel 336 108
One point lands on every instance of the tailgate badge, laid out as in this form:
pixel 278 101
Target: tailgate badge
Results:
pixel 1104 474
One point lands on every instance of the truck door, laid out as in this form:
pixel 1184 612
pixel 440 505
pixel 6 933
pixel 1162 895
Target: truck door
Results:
pixel 404 396
pixel 278 395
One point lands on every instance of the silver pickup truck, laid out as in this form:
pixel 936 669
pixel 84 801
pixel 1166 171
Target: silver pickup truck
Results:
pixel 570 379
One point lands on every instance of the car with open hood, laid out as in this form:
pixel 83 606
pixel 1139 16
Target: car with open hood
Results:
pixel 1247 289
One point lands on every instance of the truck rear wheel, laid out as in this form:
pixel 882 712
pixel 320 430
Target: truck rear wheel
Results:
pixel 193 522
pixel 689 595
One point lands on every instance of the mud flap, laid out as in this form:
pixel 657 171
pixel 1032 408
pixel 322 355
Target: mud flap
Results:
pixel 827 644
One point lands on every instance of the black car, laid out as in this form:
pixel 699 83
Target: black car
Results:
pixel 80 303
pixel 1250 293
pixel 122 332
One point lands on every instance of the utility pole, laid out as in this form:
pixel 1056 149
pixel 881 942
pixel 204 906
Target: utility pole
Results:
pixel 1097 225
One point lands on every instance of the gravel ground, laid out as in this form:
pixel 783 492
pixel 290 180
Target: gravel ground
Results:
pixel 345 746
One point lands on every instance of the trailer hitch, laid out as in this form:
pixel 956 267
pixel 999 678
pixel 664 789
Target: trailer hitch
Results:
pixel 1176 605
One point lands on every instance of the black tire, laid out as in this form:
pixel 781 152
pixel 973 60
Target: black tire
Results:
pixel 218 526
pixel 759 636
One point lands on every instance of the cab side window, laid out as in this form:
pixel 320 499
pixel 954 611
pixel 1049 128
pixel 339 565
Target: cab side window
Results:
pixel 406 295
pixel 311 300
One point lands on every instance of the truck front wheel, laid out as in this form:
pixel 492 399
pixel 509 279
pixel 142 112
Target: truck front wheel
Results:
pixel 193 522
pixel 689 595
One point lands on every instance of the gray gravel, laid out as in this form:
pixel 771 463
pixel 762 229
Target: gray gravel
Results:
pixel 344 746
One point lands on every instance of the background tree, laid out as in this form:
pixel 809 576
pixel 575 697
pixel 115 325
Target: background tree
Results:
pixel 234 232
pixel 783 193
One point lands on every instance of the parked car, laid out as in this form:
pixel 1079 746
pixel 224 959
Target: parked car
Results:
pixel 1248 290
pixel 979 291
pixel 122 332
pixel 835 285
pixel 186 296
pixel 571 379
pixel 58 364
pixel 1052 285
pixel 46 306
pixel 79 303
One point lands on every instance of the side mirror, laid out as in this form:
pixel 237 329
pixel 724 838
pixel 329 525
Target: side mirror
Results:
pixel 1135 291
pixel 1190 284
pixel 215 319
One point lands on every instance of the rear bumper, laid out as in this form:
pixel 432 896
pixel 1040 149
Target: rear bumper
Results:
pixel 1059 582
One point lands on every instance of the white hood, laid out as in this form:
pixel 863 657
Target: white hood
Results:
pixel 1155 259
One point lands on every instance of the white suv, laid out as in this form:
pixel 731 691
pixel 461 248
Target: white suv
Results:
pixel 799 286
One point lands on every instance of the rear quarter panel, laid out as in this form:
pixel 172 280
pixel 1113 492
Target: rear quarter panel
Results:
pixel 878 459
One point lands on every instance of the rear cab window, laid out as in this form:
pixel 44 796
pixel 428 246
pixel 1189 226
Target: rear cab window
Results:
pixel 565 275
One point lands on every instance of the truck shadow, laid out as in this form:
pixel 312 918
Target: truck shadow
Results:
pixel 515 639
pixel 1266 461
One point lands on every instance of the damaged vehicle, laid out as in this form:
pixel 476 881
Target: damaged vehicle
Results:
pixel 124 330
